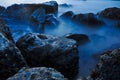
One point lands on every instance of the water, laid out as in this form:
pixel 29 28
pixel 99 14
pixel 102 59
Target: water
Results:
pixel 105 38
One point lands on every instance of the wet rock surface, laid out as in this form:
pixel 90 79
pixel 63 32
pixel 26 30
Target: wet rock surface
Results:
pixel 38 73
pixel 109 67
pixel 111 13
pixel 50 51
pixel 79 38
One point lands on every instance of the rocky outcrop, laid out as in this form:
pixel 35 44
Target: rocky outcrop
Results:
pixel 2 9
pixel 50 51
pixel 24 11
pixel 79 38
pixel 111 13
pixel 67 15
pixel 108 67
pixel 39 73
pixel 88 19
pixel 5 30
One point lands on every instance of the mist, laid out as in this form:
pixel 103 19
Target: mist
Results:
pixel 103 38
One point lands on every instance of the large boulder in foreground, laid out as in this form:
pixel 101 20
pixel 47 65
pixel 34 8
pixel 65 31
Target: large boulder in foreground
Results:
pixel 111 13
pixel 38 73
pixel 88 19
pixel 50 51
pixel 24 11
pixel 11 59
pixel 5 30
pixel 81 39
pixel 109 67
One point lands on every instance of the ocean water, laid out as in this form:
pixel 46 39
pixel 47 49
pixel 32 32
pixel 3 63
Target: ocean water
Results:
pixel 105 38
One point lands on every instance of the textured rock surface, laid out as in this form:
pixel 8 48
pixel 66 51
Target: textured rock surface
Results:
pixel 5 30
pixel 39 73
pixel 108 67
pixel 46 50
pixel 79 38
pixel 11 59
pixel 111 13
pixel 24 11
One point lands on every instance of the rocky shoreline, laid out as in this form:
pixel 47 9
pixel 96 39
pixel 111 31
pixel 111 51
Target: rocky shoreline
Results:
pixel 39 56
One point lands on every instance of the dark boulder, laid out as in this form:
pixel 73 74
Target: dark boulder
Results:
pixel 2 9
pixel 39 73
pixel 67 15
pixel 5 30
pixel 88 19
pixel 109 67
pixel 11 59
pixel 111 13
pixel 50 51
pixel 24 11
pixel 79 38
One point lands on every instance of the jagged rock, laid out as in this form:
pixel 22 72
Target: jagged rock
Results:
pixel 50 51
pixel 11 59
pixel 2 9
pixel 79 38
pixel 24 11
pixel 111 13
pixel 88 19
pixel 67 15
pixel 5 30
pixel 39 73
pixel 109 67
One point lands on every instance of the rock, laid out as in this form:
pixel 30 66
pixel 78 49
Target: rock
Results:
pixel 40 20
pixel 11 59
pixel 5 30
pixel 50 51
pixel 2 9
pixel 111 13
pixel 39 73
pixel 79 38
pixel 67 15
pixel 65 5
pixel 109 67
pixel 51 21
pixel 88 19
pixel 24 11
pixel 37 20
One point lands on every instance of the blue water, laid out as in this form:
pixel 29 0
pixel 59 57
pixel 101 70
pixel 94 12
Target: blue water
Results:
pixel 102 39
